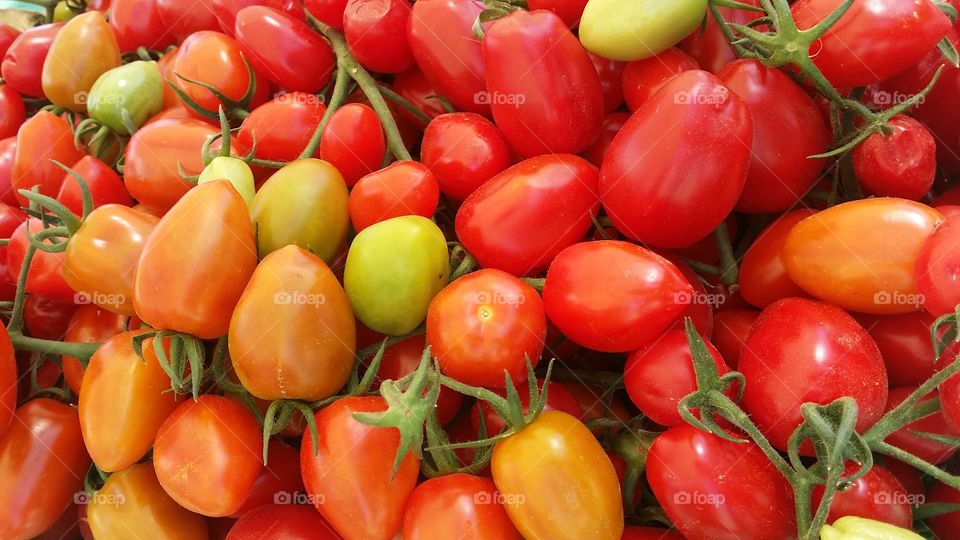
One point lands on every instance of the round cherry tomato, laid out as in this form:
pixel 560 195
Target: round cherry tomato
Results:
pixel 902 164
pixel 457 506
pixel 89 324
pixel 402 189
pixel 183 18
pixel 353 141
pixel 40 140
pixel 45 275
pixel 12 111
pixel 628 30
pixel 23 62
pixel 83 49
pixel 47 319
pixel 212 58
pixel 136 23
pixel 730 331
pixel 642 78
pixel 936 423
pixel 763 278
pixel 104 184
pixel 904 342
pixel 286 521
pixel 376 32
pixel 282 127
pixel 463 150
pixel 876 495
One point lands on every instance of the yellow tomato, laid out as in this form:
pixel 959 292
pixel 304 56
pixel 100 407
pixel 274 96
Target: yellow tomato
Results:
pixel 628 30
pixel 84 49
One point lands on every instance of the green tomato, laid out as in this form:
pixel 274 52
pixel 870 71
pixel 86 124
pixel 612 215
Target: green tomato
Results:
pixel 62 13
pixel 233 170
pixel 305 204
pixel 628 30
pixel 134 90
pixel 858 528
pixel 394 269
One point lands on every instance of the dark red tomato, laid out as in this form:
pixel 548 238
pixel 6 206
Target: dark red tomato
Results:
pixel 8 381
pixel 925 449
pixel 542 87
pixel 185 17
pixel 787 127
pixel 876 495
pixel 376 32
pixel 612 124
pixel 8 150
pixel 227 10
pixel 66 527
pixel 42 466
pixel 874 40
pixel 613 296
pixel 649 533
pixel 705 249
pixel 713 488
pixel 559 398
pixel 902 164
pixel 8 35
pixel 554 195
pixel 152 157
pixel 730 330
pixel 47 319
pixel 909 478
pixel 283 127
pixel 136 23
pixel 88 324
pixel 215 59
pixel 658 376
pixel 42 138
pixel 45 277
pixel 950 398
pixel 708 46
pixel 278 45
pixel 279 479
pixel 937 269
pixel 463 150
pixel 801 351
pixel 286 521
pixel 763 278
pixel 353 141
pixel 457 506
pixel 402 359
pixel 642 78
pixel 611 73
pixel 105 186
pixel 950 197
pixel 416 89
pixel 12 111
pixel 447 52
pixel 404 188
pixel 700 304
pixel 24 59
pixel 329 12
pixel 945 526
pixel 696 138
pixel 10 218
pixel 904 342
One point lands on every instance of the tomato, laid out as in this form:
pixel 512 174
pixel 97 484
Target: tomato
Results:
pixel 215 59
pixel 842 255
pixel 906 439
pixel 226 11
pixel 417 90
pixel 708 45
pixel 946 525
pixel 610 73
pixel 658 376
pixel 556 481
pixel 801 351
pixel 712 488
pixel 685 183
pixel 8 150
pixel 42 466
pixel 276 44
pixel 353 141
pixel 8 381
pixel 613 296
pixel 329 12
pixel 902 164
pixel 642 78
pixel 104 184
pixel 360 507
pixel 82 51
pixel 305 204
pixel 699 305
pixel 136 23
pixel 542 88
pixel 410 250
pixel 8 35
pixel 292 335
pixel 282 127
pixel 874 40
pixel 936 270
pixel 904 342
pixel 278 480
pixel 628 30
pixel 183 19
pixel 730 331
pixel 42 138
pixel 559 398
pixel 876 495
pixel 463 150
pixel 132 498
pixel 12 111
pixel 287 521
pixel 519 220
pixel 449 55
pixel 89 324
pixel 457 506
pixel 376 34
pixel 763 278
pixel 134 90
pixel 10 218
pixel 170 98
pixel 402 359
pixel 221 261
pixel 45 276
pixel 233 170
pixel 612 124
pixel 404 188
pixel 47 319
pixel 24 60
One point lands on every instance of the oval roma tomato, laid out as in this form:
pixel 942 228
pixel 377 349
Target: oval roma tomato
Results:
pixel 226 11
pixel 83 49
pixel 41 139
pixel 876 495
pixel 234 170
pixel 681 187
pixel 365 507
pixel 23 62
pixel 763 278
pixel 713 488
pixel 292 335
pixel 136 23
pixel 842 255
pixel 556 481
pixel 554 195
pixel 902 164
pixel 288 521
pixel 642 78
pixel 463 150
pixel 936 269
pixel 376 34
pixel 542 88
pixel 628 30
pixel 42 466
pixel 131 93
pixel 801 351
pixel 89 324
pixel 282 128
pixel 12 111
pixel 45 275
pixel 457 506
pixel 613 296
pixel 104 184
pixel 221 261
pixel 403 188
pixel 353 141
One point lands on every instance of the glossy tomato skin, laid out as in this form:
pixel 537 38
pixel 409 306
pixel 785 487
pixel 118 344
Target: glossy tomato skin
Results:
pixel 183 18
pixel 553 194
pixel 353 141
pixel 613 296
pixel 278 480
pixel 282 127
pixel 411 85
pixel 329 12
pixel 42 138
pixel 748 498
pixel 642 78
pixel 376 34
pixel 802 351
pixel 902 164
pixel 215 59
pixel 83 49
pixel 403 188
pixel 708 45
pixel 945 525
pixel 730 331
pixel 630 30
pixel 904 342
pixel 220 441
pixel 936 270
pixel 925 449
pixel 45 275
pixel 12 111
pixel 25 57
pixel 367 507
pixel 8 150
pixel 46 319
pixel 842 255
pixel 104 184
pixel 694 120
pixel 10 218
pixel 763 278
pixel 89 324
pixel 448 53
pixel 464 150
pixel 457 506
pixel 8 35
pixel 227 10
pixel 292 334
pixel 221 261
pixel 136 23
pixel 43 463
pixel 287 521
pixel 542 88
pixel 8 381
pixel 877 495
pixel 611 73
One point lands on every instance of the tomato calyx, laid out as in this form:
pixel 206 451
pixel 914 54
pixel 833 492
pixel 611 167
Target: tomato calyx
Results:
pixel 496 9
pixel 236 108
pixel 633 446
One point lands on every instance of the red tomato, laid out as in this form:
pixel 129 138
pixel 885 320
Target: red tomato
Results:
pixel 136 23
pixel 687 180
pixel 801 351
pixel 947 525
pixel 10 218
pixel 227 10
pixel 902 164
pixel 7 36
pixel 8 381
pixel 402 189
pixel 12 111
pixel 700 304
pixel 24 59
pixel 402 359
pixel 925 449
pixel 611 73
pixel 559 398
pixel 950 399
pixel 183 18
pixel 642 78
pixel 464 150
pixel 613 296
pixel 88 324
pixel 286 521
pixel 763 278
pixel 937 272
pixel 329 12
pixel 45 318
pixel 42 138
pixel 709 46
pixel 45 277
pixel 8 149
pixel 904 343
pixel 353 141
pixel 876 495
pixel 376 34
pixel 730 331
pixel 416 89
pixel 554 195
pixel 542 88
pixel 213 58
pixel 612 124
pixel 283 127
pixel 457 506
pixel 105 186
pixel 279 480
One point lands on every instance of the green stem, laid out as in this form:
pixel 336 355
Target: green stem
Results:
pixel 336 99
pixel 16 317
pixel 78 350
pixel 729 273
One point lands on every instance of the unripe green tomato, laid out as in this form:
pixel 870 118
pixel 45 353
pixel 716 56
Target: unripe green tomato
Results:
pixel 62 13
pixel 136 88
pixel 305 204
pixel 394 269
pixel 233 170
pixel 628 30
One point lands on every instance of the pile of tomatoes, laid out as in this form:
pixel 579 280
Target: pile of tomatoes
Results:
pixel 488 269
